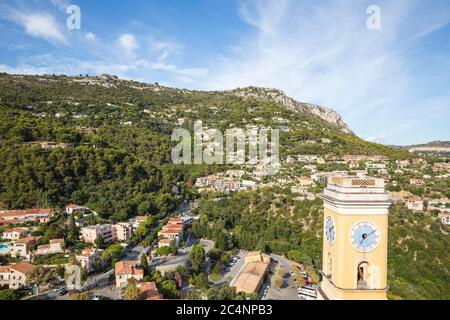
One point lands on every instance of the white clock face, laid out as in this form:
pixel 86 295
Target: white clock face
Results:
pixel 365 236
pixel 330 230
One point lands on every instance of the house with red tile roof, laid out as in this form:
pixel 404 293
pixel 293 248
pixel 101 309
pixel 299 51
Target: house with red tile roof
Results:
pixel 125 270
pixel 30 215
pixel 149 291
pixel 14 233
pixel 71 208
pixel 22 247
pixel 15 276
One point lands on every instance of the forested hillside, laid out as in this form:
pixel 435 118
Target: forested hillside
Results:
pixel 115 140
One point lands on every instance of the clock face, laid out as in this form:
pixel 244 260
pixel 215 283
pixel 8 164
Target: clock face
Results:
pixel 330 230
pixel 365 236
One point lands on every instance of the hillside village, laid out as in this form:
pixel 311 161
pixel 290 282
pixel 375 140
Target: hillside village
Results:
pixel 100 195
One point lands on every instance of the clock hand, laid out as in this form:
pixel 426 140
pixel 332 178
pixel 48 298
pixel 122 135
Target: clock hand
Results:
pixel 367 235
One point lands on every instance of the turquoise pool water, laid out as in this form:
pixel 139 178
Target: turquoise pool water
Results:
pixel 4 248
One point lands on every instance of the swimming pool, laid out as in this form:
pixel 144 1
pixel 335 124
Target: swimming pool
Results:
pixel 4 248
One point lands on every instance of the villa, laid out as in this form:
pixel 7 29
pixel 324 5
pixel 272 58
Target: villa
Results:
pixel 125 270
pixel 15 234
pixel 55 246
pixel 88 258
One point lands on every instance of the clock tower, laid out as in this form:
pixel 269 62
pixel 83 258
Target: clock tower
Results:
pixel 355 239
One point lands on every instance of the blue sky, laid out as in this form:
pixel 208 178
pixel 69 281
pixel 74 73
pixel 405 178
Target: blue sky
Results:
pixel 391 85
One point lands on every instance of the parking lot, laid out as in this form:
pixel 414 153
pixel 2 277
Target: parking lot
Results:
pixel 288 289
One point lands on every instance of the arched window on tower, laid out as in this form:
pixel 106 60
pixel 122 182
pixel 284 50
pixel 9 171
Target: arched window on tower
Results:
pixel 362 281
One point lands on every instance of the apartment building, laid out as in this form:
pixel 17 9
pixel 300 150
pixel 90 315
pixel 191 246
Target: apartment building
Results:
pixel 122 231
pixel 91 233
pixel 109 232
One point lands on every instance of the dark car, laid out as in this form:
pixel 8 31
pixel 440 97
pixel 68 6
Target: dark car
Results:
pixel 63 292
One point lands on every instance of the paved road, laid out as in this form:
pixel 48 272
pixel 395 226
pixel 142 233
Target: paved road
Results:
pixel 182 257
pixel 228 277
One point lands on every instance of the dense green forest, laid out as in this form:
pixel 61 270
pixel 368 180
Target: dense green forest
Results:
pixel 116 136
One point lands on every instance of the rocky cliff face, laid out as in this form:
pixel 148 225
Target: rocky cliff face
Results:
pixel 326 114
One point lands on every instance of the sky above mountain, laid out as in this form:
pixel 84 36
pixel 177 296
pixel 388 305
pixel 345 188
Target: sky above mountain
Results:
pixel 391 84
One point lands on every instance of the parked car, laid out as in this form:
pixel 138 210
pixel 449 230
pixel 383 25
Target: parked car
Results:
pixel 63 292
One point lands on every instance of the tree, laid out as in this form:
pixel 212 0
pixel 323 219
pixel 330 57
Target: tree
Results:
pixel 100 242
pixel 132 292
pixel 278 282
pixel 112 253
pixel 199 281
pixel 281 272
pixel 295 255
pixel 79 296
pixel 225 292
pixel 300 280
pixel 40 275
pixel 173 248
pixel 197 258
pixel 169 289
pixel 72 233
pixel 144 263
pixel 9 294
pixel 313 275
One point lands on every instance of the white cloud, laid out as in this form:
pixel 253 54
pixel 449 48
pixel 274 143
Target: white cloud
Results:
pixel 90 36
pixel 128 42
pixel 60 4
pixel 41 25
pixel 164 48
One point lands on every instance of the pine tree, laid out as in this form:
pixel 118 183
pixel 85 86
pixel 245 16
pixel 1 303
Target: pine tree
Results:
pixel 72 234
pixel 144 263
pixel 132 291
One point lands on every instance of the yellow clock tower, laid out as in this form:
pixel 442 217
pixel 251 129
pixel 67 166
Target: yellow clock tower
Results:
pixel 355 239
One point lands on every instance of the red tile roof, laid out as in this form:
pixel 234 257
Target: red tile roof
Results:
pixel 127 267
pixel 149 291
pixel 23 267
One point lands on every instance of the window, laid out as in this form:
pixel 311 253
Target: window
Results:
pixel 362 275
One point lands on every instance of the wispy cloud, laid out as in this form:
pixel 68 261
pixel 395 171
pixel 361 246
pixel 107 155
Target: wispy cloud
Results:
pixel 128 42
pixel 40 25
pixel 322 52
